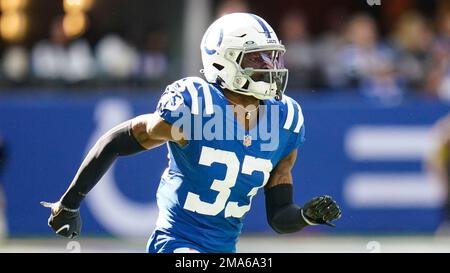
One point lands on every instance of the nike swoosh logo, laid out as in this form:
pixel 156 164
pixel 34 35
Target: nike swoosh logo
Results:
pixel 63 227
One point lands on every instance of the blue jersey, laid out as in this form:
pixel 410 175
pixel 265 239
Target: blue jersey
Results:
pixel 209 184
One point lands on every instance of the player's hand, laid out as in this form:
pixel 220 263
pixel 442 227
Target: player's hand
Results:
pixel 321 210
pixel 65 222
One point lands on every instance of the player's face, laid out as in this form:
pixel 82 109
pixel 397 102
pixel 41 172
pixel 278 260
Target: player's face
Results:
pixel 262 60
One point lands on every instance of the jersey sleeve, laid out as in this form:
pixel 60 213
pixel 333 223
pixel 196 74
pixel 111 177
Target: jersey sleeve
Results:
pixel 298 139
pixel 187 97
pixel 174 103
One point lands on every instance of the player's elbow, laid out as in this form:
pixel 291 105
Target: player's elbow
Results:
pixel 276 227
pixel 285 219
pixel 282 225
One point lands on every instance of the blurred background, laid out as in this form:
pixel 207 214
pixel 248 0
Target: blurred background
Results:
pixel 373 81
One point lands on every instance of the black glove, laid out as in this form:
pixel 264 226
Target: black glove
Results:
pixel 321 210
pixel 64 221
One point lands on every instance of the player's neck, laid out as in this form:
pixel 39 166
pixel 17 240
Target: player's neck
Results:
pixel 243 100
pixel 245 110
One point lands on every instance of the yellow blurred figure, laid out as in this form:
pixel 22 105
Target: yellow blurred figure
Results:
pixel 438 163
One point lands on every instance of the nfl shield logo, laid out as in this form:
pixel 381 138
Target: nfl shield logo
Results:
pixel 247 140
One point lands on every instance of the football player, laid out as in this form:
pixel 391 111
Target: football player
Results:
pixel 208 185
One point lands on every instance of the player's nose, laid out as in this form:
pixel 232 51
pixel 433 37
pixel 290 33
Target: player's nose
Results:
pixel 268 65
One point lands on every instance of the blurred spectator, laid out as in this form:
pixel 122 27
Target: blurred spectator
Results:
pixel 439 79
pixel 412 40
pixel 299 56
pixel 116 58
pixel 60 58
pixel 383 85
pixel 153 61
pixel 3 222
pixel 365 62
pixel 15 64
pixel 231 6
pixel 438 163
pixel 331 42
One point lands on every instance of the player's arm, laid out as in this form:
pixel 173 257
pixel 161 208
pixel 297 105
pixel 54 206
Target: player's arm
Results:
pixel 131 137
pixel 283 215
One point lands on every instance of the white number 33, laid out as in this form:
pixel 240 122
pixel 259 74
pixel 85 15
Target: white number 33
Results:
pixel 230 160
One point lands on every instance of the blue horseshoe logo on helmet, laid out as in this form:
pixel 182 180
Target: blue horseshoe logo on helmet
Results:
pixel 213 51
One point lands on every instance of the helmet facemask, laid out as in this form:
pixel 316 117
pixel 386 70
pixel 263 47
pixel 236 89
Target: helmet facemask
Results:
pixel 260 71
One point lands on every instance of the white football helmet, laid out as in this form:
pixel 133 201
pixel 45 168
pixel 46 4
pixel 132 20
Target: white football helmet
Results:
pixel 242 53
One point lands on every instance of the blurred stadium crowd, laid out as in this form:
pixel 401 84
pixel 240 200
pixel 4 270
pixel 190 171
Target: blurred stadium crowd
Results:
pixel 61 60
pixel 413 57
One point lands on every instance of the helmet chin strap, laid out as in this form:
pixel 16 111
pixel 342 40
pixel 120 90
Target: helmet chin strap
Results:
pixel 258 86
pixel 252 85
pixel 262 86
pixel 246 93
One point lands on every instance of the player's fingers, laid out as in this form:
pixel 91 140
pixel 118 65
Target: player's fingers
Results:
pixel 339 215
pixel 324 205
pixel 330 209
pixel 331 214
pixel 315 201
pixel 334 213
pixel 329 203
pixel 327 197
pixel 47 204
